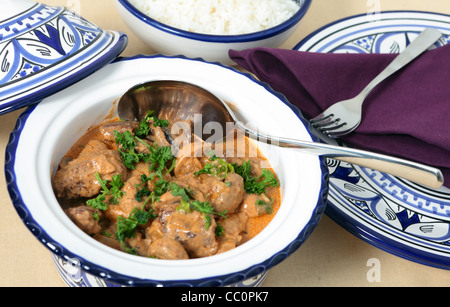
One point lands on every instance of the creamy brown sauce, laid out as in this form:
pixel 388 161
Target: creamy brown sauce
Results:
pixel 175 226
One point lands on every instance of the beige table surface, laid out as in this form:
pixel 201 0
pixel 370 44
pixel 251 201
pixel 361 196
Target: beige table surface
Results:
pixel 330 257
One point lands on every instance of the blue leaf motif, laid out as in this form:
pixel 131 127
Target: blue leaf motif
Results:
pixel 51 38
pixel 9 62
pixel 436 231
pixel 38 52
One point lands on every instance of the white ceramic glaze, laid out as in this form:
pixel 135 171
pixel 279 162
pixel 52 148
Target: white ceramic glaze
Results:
pixel 46 132
pixel 11 8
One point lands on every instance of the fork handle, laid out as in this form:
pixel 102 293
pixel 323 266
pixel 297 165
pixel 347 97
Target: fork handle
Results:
pixel 412 171
pixel 426 39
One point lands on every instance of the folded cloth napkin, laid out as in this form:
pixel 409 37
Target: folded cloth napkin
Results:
pixel 407 116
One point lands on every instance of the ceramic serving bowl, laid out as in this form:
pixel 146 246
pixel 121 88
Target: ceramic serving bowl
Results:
pixel 44 49
pixel 45 132
pixel 172 41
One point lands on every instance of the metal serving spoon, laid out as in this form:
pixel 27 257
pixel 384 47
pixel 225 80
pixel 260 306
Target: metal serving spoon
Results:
pixel 176 100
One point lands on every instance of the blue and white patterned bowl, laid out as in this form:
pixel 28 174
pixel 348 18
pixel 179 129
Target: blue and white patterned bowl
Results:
pixel 173 41
pixel 46 131
pixel 44 49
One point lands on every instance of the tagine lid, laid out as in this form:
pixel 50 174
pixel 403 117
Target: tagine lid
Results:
pixel 44 49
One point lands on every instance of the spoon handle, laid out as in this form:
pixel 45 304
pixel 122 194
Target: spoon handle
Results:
pixel 412 171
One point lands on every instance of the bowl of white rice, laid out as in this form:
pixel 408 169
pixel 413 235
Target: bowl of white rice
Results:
pixel 209 29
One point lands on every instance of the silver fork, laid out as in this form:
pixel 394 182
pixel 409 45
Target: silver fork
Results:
pixel 345 116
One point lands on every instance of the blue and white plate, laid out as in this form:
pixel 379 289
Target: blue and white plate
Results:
pixel 403 218
pixel 44 49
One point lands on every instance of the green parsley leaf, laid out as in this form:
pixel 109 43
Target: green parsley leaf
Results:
pixel 161 186
pixel 145 124
pixel 219 230
pixel 125 139
pixel 268 206
pixel 114 191
pixel 98 203
pixel 126 146
pixel 255 185
pixel 176 190
pixel 158 158
pixel 207 210
pixel 216 167
pixel 126 227
pixel 184 206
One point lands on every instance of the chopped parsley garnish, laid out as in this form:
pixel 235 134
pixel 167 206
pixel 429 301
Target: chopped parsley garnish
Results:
pixel 157 158
pixel 176 190
pixel 219 230
pixel 268 206
pixel 109 188
pixel 145 124
pixel 127 142
pixel 188 205
pixel 126 227
pixel 216 167
pixel 142 191
pixel 127 145
pixel 207 210
pixel 255 185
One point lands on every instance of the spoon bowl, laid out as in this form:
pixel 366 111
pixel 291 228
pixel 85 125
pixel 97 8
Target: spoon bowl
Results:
pixel 182 101
pixel 174 101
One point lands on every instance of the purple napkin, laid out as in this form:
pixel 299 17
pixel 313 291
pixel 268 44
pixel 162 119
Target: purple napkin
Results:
pixel 408 115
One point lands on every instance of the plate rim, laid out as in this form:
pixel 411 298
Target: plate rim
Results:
pixel 333 23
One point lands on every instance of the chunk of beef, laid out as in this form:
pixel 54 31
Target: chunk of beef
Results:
pixel 166 203
pixel 188 159
pixel 107 130
pixel 139 244
pixel 223 195
pixel 108 240
pixel 155 231
pixel 255 205
pixel 85 218
pixel 158 136
pixel 167 248
pixel 77 177
pixel 140 169
pixel 232 228
pixel 192 231
pixel 169 202
pixel 186 166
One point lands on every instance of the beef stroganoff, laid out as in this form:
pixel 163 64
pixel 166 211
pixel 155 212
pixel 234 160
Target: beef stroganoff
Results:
pixel 125 185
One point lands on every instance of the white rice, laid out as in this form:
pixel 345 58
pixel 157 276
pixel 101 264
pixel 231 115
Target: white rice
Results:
pixel 219 17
